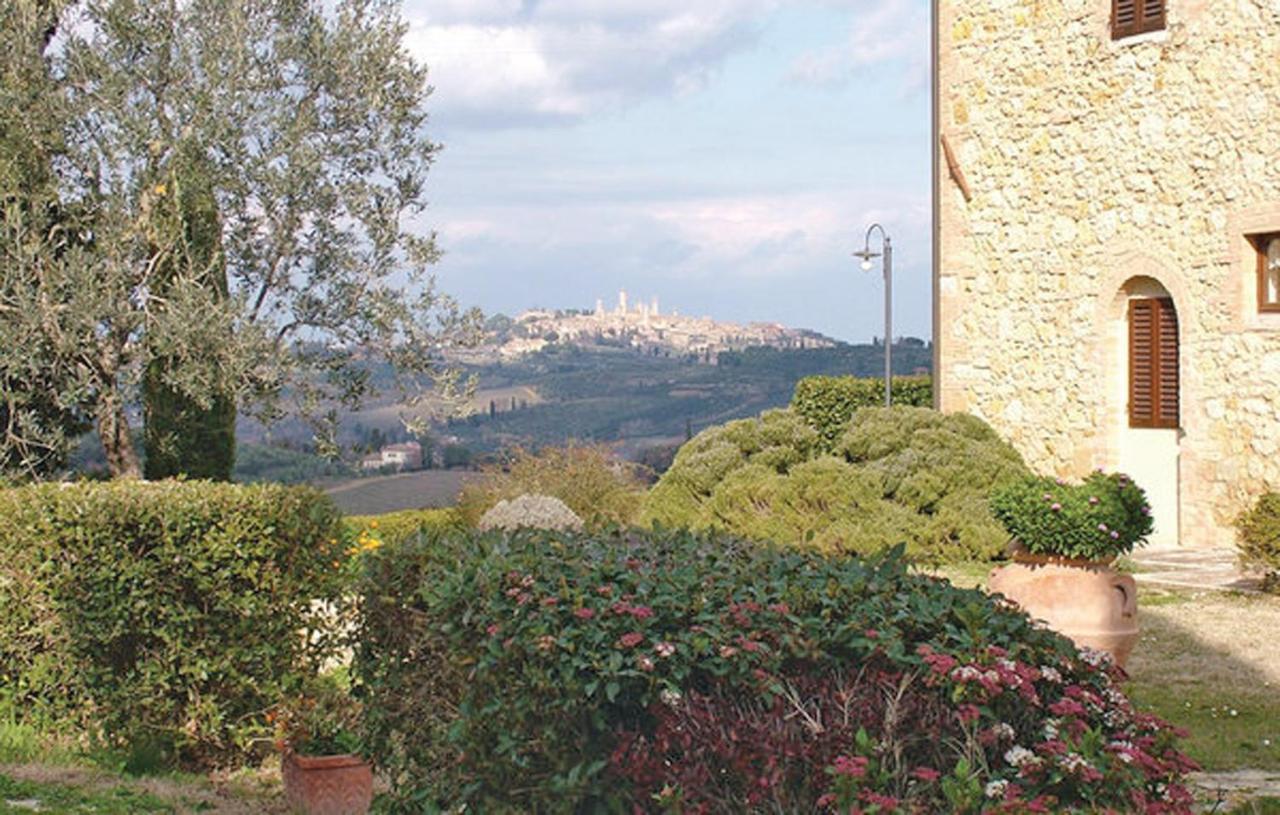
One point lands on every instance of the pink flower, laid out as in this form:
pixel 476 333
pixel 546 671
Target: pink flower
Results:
pixel 550 601
pixel 780 608
pixel 645 663
pixel 1093 500
pixel 855 767
pixel 872 634
pixel 1115 535
pixel 1056 507
pixel 664 649
pixel 631 639
pixel 641 612
pixel 583 613
pixel 492 630
pixel 604 591
pixel 926 774
pixel 727 651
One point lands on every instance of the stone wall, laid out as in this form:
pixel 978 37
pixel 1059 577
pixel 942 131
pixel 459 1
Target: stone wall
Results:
pixel 1090 163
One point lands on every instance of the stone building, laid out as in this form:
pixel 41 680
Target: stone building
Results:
pixel 1107 268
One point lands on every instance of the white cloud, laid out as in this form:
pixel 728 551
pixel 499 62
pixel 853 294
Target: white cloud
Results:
pixel 887 31
pixel 511 62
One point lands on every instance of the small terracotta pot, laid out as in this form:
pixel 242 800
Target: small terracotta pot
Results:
pixel 327 785
pixel 1086 601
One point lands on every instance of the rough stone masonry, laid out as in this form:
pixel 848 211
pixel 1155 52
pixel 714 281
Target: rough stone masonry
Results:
pixel 1094 168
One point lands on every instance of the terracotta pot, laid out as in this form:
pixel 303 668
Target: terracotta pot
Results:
pixel 1086 601
pixel 327 785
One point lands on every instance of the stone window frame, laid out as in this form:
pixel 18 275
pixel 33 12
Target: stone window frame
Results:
pixel 1262 242
pixel 1241 259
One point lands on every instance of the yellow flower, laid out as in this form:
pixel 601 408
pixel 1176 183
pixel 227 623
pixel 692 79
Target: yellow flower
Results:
pixel 373 524
pixel 161 189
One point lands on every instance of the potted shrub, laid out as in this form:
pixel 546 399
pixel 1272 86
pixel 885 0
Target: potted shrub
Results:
pixel 321 762
pixel 1066 538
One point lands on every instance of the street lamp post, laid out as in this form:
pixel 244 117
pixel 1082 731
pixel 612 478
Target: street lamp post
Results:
pixel 866 255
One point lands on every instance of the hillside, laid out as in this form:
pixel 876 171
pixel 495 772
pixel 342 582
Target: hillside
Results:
pixel 619 395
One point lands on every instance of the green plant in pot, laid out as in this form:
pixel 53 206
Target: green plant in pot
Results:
pixel 1065 538
pixel 322 765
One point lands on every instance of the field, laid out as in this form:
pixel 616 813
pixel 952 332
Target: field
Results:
pixel 389 493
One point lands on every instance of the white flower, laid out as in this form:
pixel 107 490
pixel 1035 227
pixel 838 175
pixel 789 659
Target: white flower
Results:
pixel 670 697
pixel 995 789
pixel 1050 674
pixel 1017 755
pixel 1073 762
pixel 1003 730
pixel 1050 729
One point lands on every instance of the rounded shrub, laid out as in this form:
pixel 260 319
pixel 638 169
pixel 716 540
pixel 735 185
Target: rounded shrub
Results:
pixel 897 475
pixel 530 512
pixel 165 618
pixel 396 527
pixel 1100 519
pixel 1259 538
pixel 617 672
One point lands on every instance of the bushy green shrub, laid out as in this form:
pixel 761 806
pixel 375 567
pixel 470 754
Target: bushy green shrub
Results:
pixel 397 527
pixel 896 475
pixel 1100 519
pixel 553 672
pixel 1259 538
pixel 165 616
pixel 828 403
pixel 590 479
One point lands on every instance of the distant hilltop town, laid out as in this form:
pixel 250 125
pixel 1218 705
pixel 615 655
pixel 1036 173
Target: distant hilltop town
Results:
pixel 640 326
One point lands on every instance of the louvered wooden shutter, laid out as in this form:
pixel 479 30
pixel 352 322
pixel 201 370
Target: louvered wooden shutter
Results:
pixel 1153 363
pixel 1129 17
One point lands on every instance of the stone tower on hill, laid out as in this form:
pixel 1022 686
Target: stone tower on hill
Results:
pixel 1107 278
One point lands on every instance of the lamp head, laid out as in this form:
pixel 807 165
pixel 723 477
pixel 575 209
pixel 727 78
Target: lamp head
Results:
pixel 866 255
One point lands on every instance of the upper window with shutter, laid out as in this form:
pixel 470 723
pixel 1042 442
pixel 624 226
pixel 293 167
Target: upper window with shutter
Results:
pixel 1268 248
pixel 1153 363
pixel 1130 17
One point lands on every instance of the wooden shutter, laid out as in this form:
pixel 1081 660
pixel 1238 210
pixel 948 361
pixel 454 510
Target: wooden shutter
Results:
pixel 1153 363
pixel 1129 17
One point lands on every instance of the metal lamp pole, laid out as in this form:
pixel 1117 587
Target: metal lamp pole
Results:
pixel 866 255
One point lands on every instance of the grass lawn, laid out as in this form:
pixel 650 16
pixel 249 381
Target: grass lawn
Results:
pixel 28 796
pixel 1208 662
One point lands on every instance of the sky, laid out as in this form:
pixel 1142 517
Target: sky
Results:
pixel 724 156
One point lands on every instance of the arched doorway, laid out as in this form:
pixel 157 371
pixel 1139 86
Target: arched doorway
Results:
pixel 1145 389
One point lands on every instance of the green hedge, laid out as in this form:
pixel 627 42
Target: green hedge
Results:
pixel 1259 538
pixel 674 672
pixel 398 527
pixel 827 403
pixel 164 617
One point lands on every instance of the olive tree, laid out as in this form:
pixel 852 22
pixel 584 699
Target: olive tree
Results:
pixel 295 129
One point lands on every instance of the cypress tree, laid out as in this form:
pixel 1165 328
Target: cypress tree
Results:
pixel 182 436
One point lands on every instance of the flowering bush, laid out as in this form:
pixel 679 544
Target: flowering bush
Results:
pixel 1102 518
pixel 684 673
pixel 531 511
pixel 1259 536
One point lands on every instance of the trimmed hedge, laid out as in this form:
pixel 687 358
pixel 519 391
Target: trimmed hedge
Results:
pixel 625 672
pixel 398 527
pixel 828 403
pixel 897 475
pixel 1259 538
pixel 164 617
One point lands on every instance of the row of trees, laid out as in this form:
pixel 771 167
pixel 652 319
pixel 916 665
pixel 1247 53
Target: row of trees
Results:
pixel 204 207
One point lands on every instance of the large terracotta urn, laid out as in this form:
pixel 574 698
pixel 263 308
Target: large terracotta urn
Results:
pixel 1087 601
pixel 327 785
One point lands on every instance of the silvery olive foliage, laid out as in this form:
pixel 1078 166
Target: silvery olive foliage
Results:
pixel 305 120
